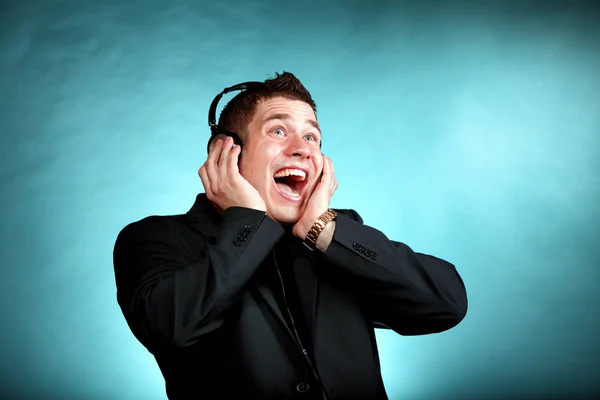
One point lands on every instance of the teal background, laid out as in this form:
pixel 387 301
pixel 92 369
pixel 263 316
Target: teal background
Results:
pixel 468 130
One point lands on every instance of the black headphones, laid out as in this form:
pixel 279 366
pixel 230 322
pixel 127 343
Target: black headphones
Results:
pixel 212 113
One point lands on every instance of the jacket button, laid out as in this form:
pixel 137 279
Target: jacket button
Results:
pixel 302 387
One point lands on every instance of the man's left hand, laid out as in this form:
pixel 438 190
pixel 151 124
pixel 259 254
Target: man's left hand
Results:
pixel 319 200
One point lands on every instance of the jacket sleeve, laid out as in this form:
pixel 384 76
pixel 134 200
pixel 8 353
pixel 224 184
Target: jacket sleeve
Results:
pixel 408 292
pixel 171 300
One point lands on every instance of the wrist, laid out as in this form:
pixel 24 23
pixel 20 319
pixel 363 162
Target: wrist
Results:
pixel 326 237
pixel 319 233
pixel 301 228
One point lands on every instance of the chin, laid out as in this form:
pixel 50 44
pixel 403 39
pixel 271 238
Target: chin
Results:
pixel 286 216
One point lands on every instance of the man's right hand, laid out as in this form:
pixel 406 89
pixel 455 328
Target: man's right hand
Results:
pixel 223 183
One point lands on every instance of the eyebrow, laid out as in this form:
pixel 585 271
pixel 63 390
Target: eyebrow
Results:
pixel 284 116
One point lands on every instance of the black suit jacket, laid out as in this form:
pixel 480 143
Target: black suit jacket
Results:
pixel 196 291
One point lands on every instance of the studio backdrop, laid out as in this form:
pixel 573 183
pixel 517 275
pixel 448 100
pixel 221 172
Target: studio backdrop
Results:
pixel 468 130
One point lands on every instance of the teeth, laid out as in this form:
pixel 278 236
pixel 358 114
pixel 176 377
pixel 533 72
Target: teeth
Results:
pixel 288 172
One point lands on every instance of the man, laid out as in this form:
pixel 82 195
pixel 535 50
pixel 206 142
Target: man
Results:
pixel 261 291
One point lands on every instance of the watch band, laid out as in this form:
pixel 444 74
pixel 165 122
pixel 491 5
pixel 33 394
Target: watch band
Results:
pixel 313 234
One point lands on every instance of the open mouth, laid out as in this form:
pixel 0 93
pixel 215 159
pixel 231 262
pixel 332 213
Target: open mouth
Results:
pixel 290 182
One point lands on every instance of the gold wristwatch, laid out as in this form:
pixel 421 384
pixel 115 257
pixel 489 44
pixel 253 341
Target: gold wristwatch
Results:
pixel 313 234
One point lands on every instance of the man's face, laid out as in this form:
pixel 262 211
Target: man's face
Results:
pixel 281 157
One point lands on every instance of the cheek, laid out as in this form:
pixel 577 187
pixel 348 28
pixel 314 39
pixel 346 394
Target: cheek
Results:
pixel 255 164
pixel 247 170
pixel 251 173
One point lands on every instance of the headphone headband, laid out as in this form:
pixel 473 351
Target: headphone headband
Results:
pixel 212 112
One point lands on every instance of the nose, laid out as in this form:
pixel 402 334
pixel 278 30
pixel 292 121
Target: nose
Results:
pixel 298 147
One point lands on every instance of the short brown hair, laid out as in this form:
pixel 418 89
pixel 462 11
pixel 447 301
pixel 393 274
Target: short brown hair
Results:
pixel 238 113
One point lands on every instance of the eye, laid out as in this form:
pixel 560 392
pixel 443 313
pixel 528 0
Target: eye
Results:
pixel 312 138
pixel 278 131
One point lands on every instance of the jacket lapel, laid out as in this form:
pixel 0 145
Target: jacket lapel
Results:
pixel 308 290
pixel 266 294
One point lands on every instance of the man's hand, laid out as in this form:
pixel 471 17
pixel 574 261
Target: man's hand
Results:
pixel 319 200
pixel 223 183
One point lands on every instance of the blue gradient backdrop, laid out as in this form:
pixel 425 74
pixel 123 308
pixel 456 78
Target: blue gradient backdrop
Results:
pixel 468 130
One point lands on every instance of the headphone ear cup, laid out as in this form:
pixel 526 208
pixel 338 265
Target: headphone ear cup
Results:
pixel 237 140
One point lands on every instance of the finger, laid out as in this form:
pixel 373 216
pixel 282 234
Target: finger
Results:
pixel 224 153
pixel 333 178
pixel 215 139
pixel 215 150
pixel 330 176
pixel 205 182
pixel 233 159
pixel 222 164
pixel 327 172
pixel 324 172
pixel 224 157
pixel 213 159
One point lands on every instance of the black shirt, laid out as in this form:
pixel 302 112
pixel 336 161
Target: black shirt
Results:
pixel 293 280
